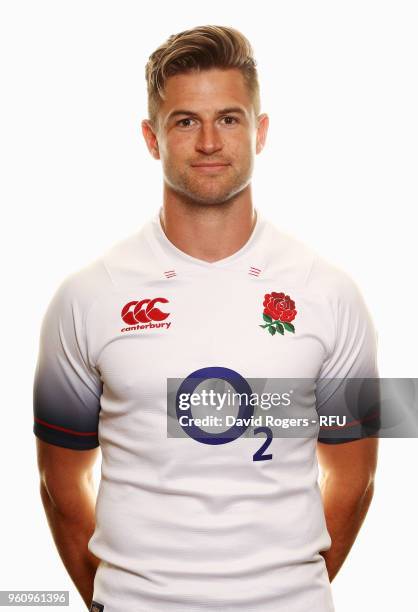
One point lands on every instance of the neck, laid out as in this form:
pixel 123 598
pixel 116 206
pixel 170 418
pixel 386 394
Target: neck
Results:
pixel 208 231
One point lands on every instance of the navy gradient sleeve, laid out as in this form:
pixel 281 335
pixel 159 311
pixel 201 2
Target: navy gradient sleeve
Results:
pixel 67 389
pixel 348 382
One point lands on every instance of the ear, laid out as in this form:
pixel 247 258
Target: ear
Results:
pixel 262 128
pixel 150 138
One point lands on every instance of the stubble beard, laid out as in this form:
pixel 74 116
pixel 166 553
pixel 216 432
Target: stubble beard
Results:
pixel 208 190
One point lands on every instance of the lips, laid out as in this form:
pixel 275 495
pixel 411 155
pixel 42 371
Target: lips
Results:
pixel 209 168
pixel 209 164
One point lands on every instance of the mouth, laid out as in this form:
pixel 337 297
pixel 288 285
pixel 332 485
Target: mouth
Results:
pixel 210 167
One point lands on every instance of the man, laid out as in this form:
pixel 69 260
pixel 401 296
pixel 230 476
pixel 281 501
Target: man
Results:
pixel 207 289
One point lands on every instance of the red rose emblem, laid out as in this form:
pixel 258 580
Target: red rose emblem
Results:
pixel 279 306
pixel 279 311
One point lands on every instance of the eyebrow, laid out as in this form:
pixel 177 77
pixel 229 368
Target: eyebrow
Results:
pixel 222 111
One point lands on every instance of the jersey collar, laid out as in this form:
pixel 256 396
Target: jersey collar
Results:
pixel 175 259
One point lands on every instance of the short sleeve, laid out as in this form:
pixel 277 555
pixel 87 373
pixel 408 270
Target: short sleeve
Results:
pixel 347 385
pixel 67 388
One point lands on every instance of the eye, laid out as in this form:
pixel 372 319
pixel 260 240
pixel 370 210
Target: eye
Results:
pixel 188 121
pixel 182 122
pixel 230 120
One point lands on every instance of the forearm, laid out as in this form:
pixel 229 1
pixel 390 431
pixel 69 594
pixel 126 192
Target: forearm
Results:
pixel 345 509
pixel 72 523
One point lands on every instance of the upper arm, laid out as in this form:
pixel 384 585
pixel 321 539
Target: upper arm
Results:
pixel 65 475
pixel 58 465
pixel 355 461
pixel 67 388
pixel 348 385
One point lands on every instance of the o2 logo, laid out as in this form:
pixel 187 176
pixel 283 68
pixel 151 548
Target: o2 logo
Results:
pixel 246 410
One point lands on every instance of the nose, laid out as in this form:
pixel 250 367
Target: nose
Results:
pixel 209 140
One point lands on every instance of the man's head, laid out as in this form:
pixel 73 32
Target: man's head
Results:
pixel 203 105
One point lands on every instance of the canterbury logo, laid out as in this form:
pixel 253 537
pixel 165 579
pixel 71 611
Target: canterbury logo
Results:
pixel 142 313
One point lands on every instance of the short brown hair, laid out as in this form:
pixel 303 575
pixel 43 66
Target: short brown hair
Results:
pixel 202 47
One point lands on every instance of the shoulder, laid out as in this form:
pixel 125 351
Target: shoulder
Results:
pixel 66 311
pixel 336 284
pixel 121 263
pixel 299 265
pixel 290 255
pixel 81 287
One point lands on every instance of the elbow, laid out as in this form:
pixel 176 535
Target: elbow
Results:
pixel 65 498
pixel 366 485
pixel 352 487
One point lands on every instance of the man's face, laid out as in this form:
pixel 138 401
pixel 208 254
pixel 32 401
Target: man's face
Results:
pixel 207 135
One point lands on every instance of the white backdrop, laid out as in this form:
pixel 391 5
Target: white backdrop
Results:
pixel 339 171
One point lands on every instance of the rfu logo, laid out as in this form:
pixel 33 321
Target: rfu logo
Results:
pixel 141 314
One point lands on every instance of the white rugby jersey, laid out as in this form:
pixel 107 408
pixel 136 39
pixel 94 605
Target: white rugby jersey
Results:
pixel 181 525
